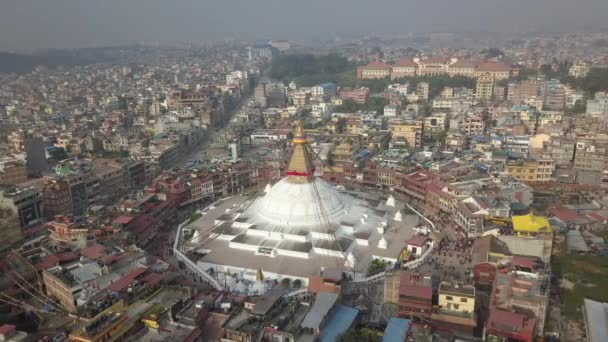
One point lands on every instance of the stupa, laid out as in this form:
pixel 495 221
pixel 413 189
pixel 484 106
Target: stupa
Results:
pixel 298 227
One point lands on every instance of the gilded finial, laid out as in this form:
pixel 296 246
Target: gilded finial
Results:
pixel 299 136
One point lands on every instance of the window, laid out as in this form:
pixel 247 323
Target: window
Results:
pixel 463 300
pixel 449 298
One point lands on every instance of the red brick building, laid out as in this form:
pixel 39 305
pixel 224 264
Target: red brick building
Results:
pixel 359 95
pixel 415 297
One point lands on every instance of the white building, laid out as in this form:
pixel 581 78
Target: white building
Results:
pixel 321 110
pixel 391 111
pixel 324 92
pixel 236 77
pixel 598 107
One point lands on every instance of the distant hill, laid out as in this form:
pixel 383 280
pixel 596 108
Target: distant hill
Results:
pixel 12 62
pixel 19 63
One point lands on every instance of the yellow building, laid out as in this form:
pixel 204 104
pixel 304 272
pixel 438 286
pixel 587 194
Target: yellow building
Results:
pixel 109 327
pixel 456 309
pixel 485 87
pixel 410 132
pixel 153 315
pixel 531 171
pixel 530 225
pixel 456 297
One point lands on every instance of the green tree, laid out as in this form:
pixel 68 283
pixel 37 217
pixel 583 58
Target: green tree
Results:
pixel 377 266
pixel 58 153
pixel 580 106
pixel 596 80
pixel 348 106
pixel 360 335
pixel 376 104
pixel 492 52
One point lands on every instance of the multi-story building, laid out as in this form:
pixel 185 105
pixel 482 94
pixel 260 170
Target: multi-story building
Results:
pixel 591 156
pixel 28 202
pixel 10 229
pixel 259 95
pixel 359 95
pixel 553 94
pixel 579 69
pixel 300 97
pixel 415 296
pixel 472 125
pixel 323 92
pixel 69 231
pixel 524 289
pixel 405 67
pixel 435 124
pixel 531 170
pixel 374 70
pixel 561 149
pixel 12 171
pixel 57 198
pixel 598 107
pixel 391 111
pixel 485 87
pixel 456 309
pixel 469 214
pixel 517 143
pixel 35 154
pixel 521 91
pixel 410 132
pixel 433 66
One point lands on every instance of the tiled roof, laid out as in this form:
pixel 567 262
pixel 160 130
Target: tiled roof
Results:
pixel 125 281
pixel 377 66
pixel 406 62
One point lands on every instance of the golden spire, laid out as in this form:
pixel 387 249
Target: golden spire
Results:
pixel 299 136
pixel 259 275
pixel 300 168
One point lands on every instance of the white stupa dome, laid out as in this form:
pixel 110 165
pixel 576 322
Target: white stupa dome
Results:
pixel 291 204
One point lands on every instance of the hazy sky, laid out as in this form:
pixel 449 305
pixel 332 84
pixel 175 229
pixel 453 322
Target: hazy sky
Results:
pixel 76 23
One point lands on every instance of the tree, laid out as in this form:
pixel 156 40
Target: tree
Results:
pixel 377 266
pixel 376 104
pixel 297 283
pixel 359 335
pixel 58 153
pixel 348 106
pixel 580 107
pixel 492 52
pixel 285 282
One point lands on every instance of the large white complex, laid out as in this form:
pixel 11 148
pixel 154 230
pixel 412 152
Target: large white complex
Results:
pixel 300 227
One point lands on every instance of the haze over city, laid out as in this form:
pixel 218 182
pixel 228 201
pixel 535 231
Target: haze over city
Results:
pixel 303 171
pixel 31 24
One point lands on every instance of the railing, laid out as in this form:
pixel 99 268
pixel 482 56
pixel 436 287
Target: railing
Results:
pixel 297 292
pixel 424 217
pixel 189 264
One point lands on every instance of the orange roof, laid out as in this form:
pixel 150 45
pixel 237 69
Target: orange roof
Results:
pixel 125 281
pixel 376 65
pixel 434 60
pixel 406 62
pixel 317 284
pixel 463 63
pixel 493 66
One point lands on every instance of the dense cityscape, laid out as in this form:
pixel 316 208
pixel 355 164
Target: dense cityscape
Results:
pixel 404 187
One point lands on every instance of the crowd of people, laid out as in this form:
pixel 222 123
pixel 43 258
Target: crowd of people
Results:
pixel 451 258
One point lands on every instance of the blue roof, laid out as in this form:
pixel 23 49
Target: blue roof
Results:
pixel 340 322
pixel 396 330
pixel 327 85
